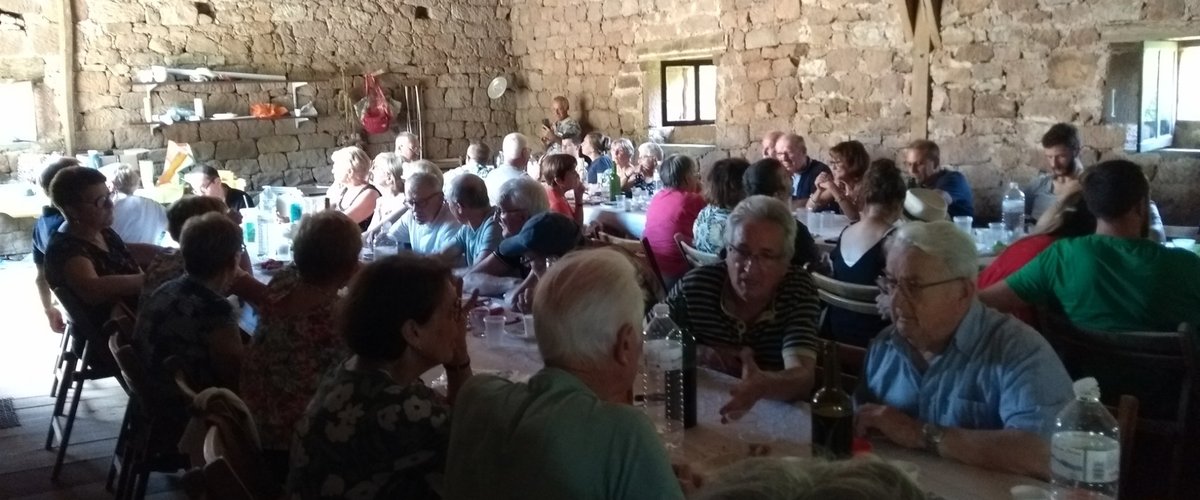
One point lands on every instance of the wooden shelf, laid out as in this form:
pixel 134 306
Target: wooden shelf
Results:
pixel 187 83
pixel 237 119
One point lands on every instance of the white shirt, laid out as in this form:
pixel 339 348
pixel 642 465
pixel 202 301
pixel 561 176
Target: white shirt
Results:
pixel 497 177
pixel 433 237
pixel 138 219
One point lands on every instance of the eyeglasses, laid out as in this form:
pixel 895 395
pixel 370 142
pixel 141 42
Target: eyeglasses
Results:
pixel 421 202
pixel 910 288
pixel 742 257
pixel 105 201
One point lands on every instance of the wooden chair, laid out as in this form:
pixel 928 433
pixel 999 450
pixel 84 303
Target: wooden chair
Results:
pixel 850 361
pixel 84 358
pixel 847 291
pixel 136 456
pixel 220 478
pixel 1126 412
pixel 1165 368
pixel 694 257
pixel 654 263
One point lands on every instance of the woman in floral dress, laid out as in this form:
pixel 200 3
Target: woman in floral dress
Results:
pixel 374 429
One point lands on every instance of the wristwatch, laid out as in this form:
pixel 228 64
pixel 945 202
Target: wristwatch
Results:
pixel 932 434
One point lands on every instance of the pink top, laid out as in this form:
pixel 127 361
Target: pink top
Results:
pixel 671 211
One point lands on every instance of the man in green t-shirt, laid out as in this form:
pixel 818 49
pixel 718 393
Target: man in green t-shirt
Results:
pixel 1116 280
pixel 569 432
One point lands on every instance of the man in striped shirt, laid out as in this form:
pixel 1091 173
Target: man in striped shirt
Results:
pixel 755 309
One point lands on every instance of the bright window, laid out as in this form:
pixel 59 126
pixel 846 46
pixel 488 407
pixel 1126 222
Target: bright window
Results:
pixel 20 123
pixel 689 92
pixel 1189 79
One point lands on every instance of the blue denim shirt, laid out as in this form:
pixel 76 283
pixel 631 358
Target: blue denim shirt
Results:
pixel 996 373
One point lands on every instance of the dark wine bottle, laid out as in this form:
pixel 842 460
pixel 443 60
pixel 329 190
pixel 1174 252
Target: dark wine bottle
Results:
pixel 832 410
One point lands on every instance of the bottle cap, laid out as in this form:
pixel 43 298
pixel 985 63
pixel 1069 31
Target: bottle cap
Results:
pixel 1086 387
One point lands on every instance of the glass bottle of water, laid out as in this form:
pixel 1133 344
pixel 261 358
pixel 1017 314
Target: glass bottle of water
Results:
pixel 266 220
pixel 1085 446
pixel 663 376
pixel 1013 208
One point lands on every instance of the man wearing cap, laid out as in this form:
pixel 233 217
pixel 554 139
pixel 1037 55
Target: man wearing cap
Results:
pixel 548 235
pixel 429 228
pixel 923 159
pixel 924 205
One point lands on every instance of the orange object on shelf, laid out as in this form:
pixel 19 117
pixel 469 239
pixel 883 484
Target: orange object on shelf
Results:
pixel 267 110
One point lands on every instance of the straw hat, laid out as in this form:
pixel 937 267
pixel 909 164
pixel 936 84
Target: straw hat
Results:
pixel 925 205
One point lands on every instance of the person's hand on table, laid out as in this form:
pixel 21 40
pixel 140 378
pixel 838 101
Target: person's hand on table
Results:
pixel 55 318
pixel 690 481
pixel 522 300
pixel 894 424
pixel 748 391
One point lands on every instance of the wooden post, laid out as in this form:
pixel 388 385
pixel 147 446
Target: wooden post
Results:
pixel 919 18
pixel 66 43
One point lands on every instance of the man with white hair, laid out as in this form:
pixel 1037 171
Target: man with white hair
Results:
pixel 569 432
pixel 767 145
pixel 952 376
pixel 520 200
pixel 429 227
pixel 136 219
pixel 516 160
pixel 792 152
pixel 408 147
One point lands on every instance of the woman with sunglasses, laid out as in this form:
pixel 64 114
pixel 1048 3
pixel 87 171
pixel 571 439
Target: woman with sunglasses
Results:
pixel 87 259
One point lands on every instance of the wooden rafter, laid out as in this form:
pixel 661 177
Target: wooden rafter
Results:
pixel 919 19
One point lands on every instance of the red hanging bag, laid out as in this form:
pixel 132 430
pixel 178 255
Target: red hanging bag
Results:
pixel 378 116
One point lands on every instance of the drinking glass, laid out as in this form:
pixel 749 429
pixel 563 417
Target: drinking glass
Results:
pixel 814 222
pixel 999 234
pixel 964 223
pixel 756 442
pixel 527 322
pixel 475 319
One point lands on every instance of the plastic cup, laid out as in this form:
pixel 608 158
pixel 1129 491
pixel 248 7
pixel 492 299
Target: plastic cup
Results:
pixel 999 234
pixel 475 320
pixel 493 326
pixel 814 222
pixel 1185 243
pixel 964 222
pixel 527 322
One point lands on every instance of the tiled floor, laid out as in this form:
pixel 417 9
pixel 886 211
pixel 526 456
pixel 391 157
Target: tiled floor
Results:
pixel 27 352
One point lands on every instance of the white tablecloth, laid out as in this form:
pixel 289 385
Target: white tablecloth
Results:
pixel 785 428
pixel 633 222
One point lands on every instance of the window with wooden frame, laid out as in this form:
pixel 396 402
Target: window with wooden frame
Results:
pixel 689 92
pixel 1147 91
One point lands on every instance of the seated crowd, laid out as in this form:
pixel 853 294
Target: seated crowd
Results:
pixel 332 371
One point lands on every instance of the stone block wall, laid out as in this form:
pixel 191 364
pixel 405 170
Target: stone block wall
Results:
pixel 834 70
pixel 452 49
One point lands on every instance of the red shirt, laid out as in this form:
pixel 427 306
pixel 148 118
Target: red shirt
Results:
pixel 671 211
pixel 1012 259
pixel 559 203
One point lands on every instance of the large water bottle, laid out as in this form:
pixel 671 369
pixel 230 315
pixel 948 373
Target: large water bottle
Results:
pixel 266 220
pixel 663 376
pixel 1085 446
pixel 1013 210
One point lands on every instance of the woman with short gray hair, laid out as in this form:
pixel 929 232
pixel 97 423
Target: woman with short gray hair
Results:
pixel 136 219
pixel 520 199
pixel 627 172
pixel 754 312
pixel 673 210
pixel 649 155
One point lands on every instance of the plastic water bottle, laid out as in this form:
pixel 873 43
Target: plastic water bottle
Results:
pixel 664 387
pixel 94 160
pixel 1013 209
pixel 266 220
pixel 1085 446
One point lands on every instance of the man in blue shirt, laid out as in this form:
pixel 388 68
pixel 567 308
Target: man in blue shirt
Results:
pixel 791 151
pixel 924 163
pixel 950 375
pixel 44 229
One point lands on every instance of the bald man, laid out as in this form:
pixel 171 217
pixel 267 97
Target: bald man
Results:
pixel 791 151
pixel 564 126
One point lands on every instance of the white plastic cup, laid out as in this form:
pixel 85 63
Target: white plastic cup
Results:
pixel 813 222
pixel 964 222
pixel 493 326
pixel 527 322
pixel 475 320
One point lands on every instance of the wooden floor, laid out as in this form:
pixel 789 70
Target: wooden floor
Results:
pixel 25 362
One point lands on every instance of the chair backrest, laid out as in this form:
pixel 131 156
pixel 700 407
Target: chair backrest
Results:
pixel 653 263
pixel 225 441
pixel 221 480
pixel 851 305
pixel 846 290
pixel 850 363
pixel 694 257
pixel 1127 415
pixel 76 314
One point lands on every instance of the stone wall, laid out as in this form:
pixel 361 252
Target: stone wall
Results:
pixel 451 48
pixel 834 70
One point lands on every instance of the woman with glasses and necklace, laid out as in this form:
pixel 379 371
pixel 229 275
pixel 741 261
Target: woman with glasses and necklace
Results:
pixel 88 259
pixel 755 313
pixel 350 193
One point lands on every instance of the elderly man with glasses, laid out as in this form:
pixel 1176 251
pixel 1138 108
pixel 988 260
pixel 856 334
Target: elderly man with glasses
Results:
pixel 950 375
pixel 429 227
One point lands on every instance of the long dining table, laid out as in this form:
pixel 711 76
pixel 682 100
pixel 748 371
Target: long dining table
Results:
pixel 784 428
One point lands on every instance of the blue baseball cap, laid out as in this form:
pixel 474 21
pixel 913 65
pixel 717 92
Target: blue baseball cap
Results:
pixel 547 233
